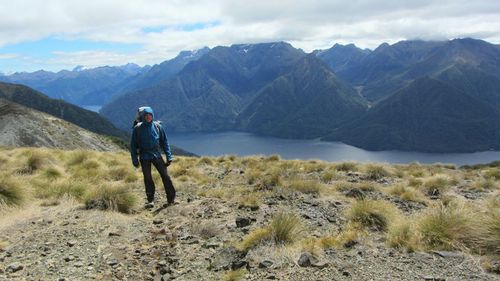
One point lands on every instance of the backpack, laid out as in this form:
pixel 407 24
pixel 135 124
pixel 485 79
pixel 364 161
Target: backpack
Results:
pixel 138 115
pixel 137 124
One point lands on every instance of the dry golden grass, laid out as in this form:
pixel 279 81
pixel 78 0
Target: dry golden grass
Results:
pixel 234 275
pixel 407 193
pixel 446 227
pixel 373 214
pixel 375 172
pixel 11 192
pixel 284 228
pixel 437 184
pixel 112 197
pixel 305 186
pixel 347 167
pixel 402 234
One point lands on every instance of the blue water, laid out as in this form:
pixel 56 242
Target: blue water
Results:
pixel 243 144
pixel 94 108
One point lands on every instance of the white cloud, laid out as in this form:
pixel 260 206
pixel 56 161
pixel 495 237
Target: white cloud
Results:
pixel 307 24
pixel 8 56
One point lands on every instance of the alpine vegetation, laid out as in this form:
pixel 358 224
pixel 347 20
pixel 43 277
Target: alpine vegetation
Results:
pixel 245 218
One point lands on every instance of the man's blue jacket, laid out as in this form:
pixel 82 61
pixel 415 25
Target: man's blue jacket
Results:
pixel 148 140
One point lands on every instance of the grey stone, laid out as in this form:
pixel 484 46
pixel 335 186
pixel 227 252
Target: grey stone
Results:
pixel 266 264
pixel 226 258
pixel 447 254
pixel 71 243
pixel 305 260
pixel 242 222
pixel 355 193
pixel 14 267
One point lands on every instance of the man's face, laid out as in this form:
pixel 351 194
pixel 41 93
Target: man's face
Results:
pixel 148 117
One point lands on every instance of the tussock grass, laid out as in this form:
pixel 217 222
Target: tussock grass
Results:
pixel 234 275
pixel 327 176
pixel 284 228
pixel 314 166
pixel 206 161
pixel 273 158
pixel 270 179
pixel 436 185
pixel 488 227
pixel 446 227
pixel 11 192
pixel 376 172
pixel 407 193
pixel 344 186
pixel 353 232
pixel 35 161
pixel 373 214
pixel 347 167
pixel 114 198
pixel 252 176
pixel 485 185
pixel 493 174
pixel 254 238
pixel 402 235
pixel 416 170
pixel 305 186
pixel 61 188
pixel 77 157
pixel 52 173
pixel 118 173
pixel 250 200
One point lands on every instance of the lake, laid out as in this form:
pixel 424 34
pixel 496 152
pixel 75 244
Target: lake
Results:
pixel 95 108
pixel 244 144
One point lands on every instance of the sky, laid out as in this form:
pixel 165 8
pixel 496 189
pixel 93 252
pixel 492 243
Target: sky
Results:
pixel 61 34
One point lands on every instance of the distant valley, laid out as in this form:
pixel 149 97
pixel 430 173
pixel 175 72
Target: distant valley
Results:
pixel 441 96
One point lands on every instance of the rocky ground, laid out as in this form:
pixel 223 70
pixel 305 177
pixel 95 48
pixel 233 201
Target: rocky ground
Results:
pixel 193 241
pixel 197 240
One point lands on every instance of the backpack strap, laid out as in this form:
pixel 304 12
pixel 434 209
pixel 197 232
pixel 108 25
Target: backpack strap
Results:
pixel 158 130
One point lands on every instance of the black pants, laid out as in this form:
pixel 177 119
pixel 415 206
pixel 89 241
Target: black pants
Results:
pixel 148 179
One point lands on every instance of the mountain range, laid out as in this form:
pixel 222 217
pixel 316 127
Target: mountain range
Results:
pixel 433 96
pixel 22 126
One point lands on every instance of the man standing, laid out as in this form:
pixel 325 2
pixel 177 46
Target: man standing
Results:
pixel 148 140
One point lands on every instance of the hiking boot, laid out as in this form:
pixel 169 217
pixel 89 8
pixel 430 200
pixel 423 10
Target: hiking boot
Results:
pixel 170 204
pixel 149 205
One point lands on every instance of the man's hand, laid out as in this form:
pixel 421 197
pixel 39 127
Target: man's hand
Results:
pixel 168 163
pixel 136 165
